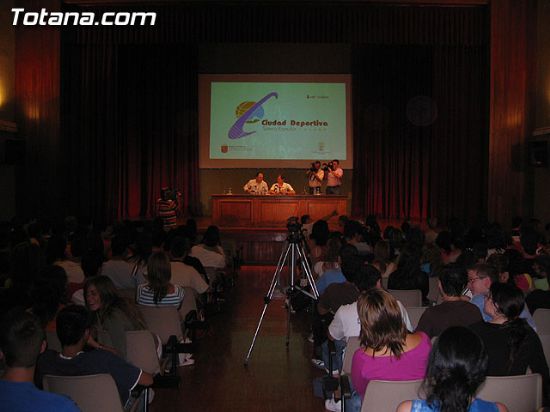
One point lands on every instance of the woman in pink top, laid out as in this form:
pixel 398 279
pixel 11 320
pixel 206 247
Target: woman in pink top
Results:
pixel 388 351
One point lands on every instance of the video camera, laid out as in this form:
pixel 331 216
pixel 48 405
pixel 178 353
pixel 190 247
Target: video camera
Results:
pixel 294 225
pixel 169 194
pixel 327 166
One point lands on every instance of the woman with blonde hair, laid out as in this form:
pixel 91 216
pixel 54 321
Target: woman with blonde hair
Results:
pixel 388 351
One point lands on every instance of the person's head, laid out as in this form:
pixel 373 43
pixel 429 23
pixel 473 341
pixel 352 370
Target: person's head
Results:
pixel 457 367
pixel 73 325
pixel 453 280
pixel 320 232
pixel 480 278
pixel 529 241
pixel 91 263
pixel 159 274
pixel 444 241
pixel 22 339
pixel 333 249
pixel 542 266
pixel 259 177
pixel 342 220
pixel 165 193
pixel 179 247
pixel 352 230
pixel 382 326
pixel 382 250
pixel 48 292
pixel 367 277
pixel 305 219
pixel 56 248
pixel 317 164
pixel 350 261
pixel 335 164
pixel 119 244
pixel 505 300
pixel 280 179
pixel 211 236
pixel 380 265
pixel 500 262
pixel 100 293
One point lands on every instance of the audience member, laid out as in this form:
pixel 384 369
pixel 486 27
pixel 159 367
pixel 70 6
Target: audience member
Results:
pixel 117 268
pixel 111 313
pixel 387 351
pixel 540 298
pixel 73 331
pixel 408 275
pixel 58 255
pixel 480 279
pixel 511 343
pixel 335 274
pixel 182 273
pixel 22 340
pixel 158 291
pixel 454 310
pixel 456 369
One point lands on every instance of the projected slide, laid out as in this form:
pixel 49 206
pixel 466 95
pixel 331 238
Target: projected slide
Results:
pixel 275 120
pixel 278 120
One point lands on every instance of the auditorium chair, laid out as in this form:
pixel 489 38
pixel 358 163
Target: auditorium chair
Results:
pixel 521 393
pixel 409 298
pixel 545 341
pixel 385 396
pixel 415 313
pixel 542 321
pixel 433 293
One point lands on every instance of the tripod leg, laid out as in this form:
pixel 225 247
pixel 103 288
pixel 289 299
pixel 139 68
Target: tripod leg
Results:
pixel 290 289
pixel 309 274
pixel 267 299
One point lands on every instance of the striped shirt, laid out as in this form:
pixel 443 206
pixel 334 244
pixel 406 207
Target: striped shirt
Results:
pixel 146 296
pixel 167 212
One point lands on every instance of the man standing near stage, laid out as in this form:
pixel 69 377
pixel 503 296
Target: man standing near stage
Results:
pixel 315 178
pixel 334 178
pixel 256 186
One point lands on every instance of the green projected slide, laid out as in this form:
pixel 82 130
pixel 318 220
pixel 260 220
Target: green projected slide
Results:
pixel 254 120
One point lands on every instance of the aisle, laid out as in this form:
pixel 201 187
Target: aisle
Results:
pixel 275 380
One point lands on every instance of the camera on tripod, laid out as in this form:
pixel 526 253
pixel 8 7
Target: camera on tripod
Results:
pixel 293 225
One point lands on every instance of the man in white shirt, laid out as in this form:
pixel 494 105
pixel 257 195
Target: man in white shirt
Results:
pixel 281 187
pixel 256 186
pixel 334 178
pixel 315 178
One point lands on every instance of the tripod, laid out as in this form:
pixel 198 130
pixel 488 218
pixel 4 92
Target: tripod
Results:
pixel 293 250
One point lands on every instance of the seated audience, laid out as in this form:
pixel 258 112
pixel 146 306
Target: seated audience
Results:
pixel 480 279
pixel 22 340
pixel 335 274
pixel 387 351
pixel 330 260
pixel 540 298
pixel 511 343
pixel 182 273
pixel 408 275
pixel 317 242
pixel 111 313
pixel 49 295
pixel 158 291
pixel 73 331
pixel 57 254
pixel 456 369
pixel 117 268
pixel 454 310
pixel 210 252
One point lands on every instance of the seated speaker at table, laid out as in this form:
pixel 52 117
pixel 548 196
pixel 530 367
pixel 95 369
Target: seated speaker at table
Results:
pixel 281 187
pixel 256 186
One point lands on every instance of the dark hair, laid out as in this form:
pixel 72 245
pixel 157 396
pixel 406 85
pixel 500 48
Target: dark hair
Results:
pixel 110 300
pixel 159 274
pixel 453 280
pixel 543 261
pixel 367 277
pixel 179 247
pixel 258 173
pixel 211 236
pixel 457 367
pixel 48 292
pixel 382 325
pixel 72 322
pixel 351 262
pixel 444 240
pixel 320 232
pixel 55 250
pixel 510 301
pixel 352 228
pixel 529 241
pixel 119 243
pixel 21 337
pixel 91 262
pixel 486 271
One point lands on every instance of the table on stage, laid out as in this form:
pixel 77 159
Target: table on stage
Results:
pixel 272 210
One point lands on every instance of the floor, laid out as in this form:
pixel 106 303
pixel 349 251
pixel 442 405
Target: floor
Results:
pixel 277 378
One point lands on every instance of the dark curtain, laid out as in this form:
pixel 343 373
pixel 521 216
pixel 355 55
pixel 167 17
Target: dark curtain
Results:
pixel 130 128
pixel 130 103
pixel 420 120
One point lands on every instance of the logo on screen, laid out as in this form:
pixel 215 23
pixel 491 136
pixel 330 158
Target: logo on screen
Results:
pixel 248 113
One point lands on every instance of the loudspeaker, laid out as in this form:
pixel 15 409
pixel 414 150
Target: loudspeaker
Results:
pixel 14 151
pixel 538 153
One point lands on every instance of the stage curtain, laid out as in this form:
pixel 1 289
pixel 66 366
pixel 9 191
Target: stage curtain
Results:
pixel 129 128
pixel 420 124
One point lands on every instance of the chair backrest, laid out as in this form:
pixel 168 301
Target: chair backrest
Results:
pixel 542 321
pixel 407 297
pixel 521 393
pixel 352 345
pixel 385 396
pixel 53 341
pixel 385 282
pixel 189 302
pixel 163 321
pixel 141 351
pixel 545 340
pixel 415 312
pixel 433 292
pixel 91 393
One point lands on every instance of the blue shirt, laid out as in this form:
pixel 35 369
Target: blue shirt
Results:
pixel 478 405
pixel 329 277
pixel 25 397
pixel 479 301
